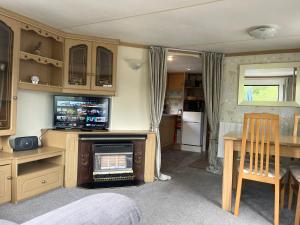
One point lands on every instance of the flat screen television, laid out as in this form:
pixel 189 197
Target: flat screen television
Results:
pixel 81 112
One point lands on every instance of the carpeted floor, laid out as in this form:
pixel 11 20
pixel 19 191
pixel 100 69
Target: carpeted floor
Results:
pixel 192 197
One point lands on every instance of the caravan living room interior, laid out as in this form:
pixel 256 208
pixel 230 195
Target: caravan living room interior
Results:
pixel 148 112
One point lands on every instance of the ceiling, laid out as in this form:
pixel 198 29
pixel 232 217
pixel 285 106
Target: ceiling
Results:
pixel 184 63
pixel 211 25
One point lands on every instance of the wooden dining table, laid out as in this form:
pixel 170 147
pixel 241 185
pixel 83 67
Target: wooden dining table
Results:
pixel 289 147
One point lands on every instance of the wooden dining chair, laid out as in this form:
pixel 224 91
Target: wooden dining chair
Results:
pixel 259 130
pixel 294 178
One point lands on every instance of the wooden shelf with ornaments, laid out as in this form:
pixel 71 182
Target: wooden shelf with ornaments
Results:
pixel 41 60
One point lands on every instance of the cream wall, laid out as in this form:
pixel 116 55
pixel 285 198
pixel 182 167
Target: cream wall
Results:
pixel 34 111
pixel 231 112
pixel 129 109
pixel 130 106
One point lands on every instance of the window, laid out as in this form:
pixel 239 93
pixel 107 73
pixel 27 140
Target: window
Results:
pixel 265 93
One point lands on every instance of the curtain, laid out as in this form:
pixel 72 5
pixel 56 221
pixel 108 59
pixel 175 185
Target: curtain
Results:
pixel 288 89
pixel 212 73
pixel 158 82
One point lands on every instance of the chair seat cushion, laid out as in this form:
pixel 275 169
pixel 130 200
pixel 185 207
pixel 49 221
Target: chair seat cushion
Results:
pixel 295 171
pixel 271 171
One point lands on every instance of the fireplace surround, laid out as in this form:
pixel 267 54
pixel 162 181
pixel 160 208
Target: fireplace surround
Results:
pixel 109 160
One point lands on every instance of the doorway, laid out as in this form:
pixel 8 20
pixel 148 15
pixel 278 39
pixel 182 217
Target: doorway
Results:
pixel 183 126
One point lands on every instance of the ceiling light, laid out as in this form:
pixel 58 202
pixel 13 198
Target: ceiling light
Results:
pixel 170 58
pixel 188 69
pixel 263 31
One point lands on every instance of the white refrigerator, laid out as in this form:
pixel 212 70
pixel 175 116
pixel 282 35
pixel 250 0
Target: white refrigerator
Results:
pixel 192 131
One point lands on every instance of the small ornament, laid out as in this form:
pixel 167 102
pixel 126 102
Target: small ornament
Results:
pixel 37 48
pixel 35 79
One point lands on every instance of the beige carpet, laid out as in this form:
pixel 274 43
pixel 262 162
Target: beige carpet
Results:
pixel 192 197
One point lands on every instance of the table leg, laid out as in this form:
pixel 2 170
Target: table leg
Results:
pixel 227 175
pixel 235 173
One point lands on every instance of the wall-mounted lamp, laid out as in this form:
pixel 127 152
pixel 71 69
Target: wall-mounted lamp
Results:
pixel 135 64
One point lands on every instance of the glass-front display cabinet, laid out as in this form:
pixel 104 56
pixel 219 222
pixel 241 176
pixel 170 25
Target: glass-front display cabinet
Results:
pixel 77 64
pixel 104 66
pixel 9 47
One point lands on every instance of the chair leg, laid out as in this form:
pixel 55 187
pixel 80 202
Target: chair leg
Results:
pixel 291 193
pixel 297 216
pixel 238 195
pixel 276 203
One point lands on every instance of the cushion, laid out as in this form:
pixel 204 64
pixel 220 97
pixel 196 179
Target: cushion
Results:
pixel 98 209
pixel 295 171
pixel 271 170
pixel 6 222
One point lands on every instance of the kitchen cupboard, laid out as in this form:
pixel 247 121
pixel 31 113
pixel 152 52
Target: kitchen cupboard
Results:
pixel 167 130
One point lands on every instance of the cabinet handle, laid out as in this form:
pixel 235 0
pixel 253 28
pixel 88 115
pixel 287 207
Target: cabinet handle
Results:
pixel 9 178
pixel 44 181
pixel 15 98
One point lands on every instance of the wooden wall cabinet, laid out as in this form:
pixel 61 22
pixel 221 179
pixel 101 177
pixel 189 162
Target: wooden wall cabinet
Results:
pixel 41 55
pixel 63 63
pixel 9 70
pixel 77 73
pixel 104 61
pixel 90 66
pixel 5 183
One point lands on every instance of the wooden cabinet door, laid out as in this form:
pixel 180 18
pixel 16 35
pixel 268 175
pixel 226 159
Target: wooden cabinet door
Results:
pixel 175 82
pixel 77 64
pixel 5 183
pixel 167 130
pixel 9 72
pixel 104 66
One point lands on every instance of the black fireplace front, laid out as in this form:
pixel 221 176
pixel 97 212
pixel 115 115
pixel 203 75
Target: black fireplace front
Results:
pixel 112 162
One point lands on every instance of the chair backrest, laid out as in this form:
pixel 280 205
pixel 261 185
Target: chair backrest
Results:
pixel 260 135
pixel 296 122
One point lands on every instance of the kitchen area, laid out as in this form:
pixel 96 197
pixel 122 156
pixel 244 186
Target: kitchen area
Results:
pixel 184 124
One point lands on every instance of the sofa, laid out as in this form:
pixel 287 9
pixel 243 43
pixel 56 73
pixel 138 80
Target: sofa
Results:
pixel 98 209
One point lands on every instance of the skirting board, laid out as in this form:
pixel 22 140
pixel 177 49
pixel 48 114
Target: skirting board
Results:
pixel 191 148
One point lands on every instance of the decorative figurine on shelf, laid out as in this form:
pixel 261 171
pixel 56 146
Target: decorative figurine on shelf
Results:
pixel 37 48
pixel 35 79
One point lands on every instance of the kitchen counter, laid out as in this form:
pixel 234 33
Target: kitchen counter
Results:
pixel 171 115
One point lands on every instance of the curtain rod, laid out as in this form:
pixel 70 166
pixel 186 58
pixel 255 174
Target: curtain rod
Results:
pixel 184 50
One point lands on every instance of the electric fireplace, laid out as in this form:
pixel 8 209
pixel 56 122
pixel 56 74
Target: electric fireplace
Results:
pixel 112 161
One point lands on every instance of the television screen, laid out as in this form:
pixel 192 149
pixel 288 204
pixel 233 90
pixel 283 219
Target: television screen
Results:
pixel 81 112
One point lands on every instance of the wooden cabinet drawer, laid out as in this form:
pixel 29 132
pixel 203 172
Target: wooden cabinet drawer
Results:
pixel 36 183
